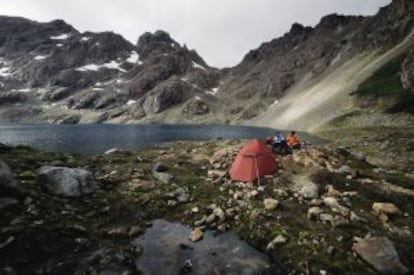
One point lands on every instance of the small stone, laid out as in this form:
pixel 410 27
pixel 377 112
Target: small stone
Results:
pixel 325 217
pixel 309 191
pixel 195 210
pixel 219 213
pixel 212 206
pixel 200 222
pixel 196 235
pixel 270 204
pixel 280 239
pixel 338 221
pixel 350 194
pixel 221 227
pixel 330 250
pixel 335 206
pixel 349 177
pixel 171 203
pixel 314 213
pixel 135 230
pixel 344 169
pixel 315 202
pixel 354 217
pixel 383 217
pixel 255 214
pixel 253 193
pixel 27 201
pixel 385 207
pixel 332 192
pixel 210 219
pixel 323 272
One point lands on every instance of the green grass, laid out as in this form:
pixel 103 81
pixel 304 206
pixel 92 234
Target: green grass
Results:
pixel 386 84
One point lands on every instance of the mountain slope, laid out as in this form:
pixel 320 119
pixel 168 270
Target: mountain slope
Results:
pixel 50 71
pixel 302 80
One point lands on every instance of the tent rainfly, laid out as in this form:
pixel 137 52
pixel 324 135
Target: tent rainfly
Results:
pixel 253 161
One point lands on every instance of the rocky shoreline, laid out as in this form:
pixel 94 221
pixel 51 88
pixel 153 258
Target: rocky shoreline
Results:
pixel 325 211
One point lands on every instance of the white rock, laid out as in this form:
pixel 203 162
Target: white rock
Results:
pixel 280 239
pixel 270 204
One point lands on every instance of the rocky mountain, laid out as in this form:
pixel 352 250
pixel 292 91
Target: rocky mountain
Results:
pixel 304 79
pixel 50 71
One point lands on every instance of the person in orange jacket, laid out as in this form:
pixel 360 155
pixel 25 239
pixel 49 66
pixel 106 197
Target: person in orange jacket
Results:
pixel 293 140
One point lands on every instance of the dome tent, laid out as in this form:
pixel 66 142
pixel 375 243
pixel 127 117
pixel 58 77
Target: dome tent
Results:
pixel 253 161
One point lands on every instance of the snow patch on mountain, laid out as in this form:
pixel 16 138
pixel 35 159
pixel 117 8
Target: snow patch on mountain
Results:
pixel 62 36
pixel 40 57
pixel 94 67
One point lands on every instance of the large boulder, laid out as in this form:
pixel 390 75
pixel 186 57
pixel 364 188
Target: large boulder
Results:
pixel 67 182
pixel 9 187
pixel 381 254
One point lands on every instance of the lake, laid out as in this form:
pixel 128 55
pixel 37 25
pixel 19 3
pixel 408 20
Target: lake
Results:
pixel 97 138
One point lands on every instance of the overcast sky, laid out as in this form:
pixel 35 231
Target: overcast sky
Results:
pixel 222 31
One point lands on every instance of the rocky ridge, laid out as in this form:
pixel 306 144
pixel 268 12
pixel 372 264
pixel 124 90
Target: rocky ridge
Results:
pixel 47 67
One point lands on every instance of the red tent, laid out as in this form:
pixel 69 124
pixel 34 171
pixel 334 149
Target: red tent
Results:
pixel 254 160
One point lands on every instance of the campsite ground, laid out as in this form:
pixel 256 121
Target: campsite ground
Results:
pixel 298 226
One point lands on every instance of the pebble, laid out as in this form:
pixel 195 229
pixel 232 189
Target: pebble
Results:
pixel 196 235
pixel 270 204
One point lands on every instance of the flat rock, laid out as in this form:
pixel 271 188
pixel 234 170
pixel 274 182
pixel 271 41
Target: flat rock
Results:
pixel 381 254
pixel 224 253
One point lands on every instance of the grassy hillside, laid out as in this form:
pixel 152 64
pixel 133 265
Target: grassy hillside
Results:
pixel 385 86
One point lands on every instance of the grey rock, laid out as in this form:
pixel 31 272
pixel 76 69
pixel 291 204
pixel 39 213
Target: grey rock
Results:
pixel 68 182
pixel 309 191
pixel 345 170
pixel 9 187
pixel 381 254
pixel 162 176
